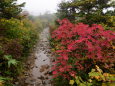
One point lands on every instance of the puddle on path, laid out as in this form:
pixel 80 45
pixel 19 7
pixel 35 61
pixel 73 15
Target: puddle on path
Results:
pixel 40 72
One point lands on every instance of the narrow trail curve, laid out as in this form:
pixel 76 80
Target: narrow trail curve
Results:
pixel 39 74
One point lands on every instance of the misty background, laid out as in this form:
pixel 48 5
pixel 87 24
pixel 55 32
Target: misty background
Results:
pixel 37 7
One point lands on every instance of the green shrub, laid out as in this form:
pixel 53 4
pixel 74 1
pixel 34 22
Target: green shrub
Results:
pixel 17 37
pixel 24 31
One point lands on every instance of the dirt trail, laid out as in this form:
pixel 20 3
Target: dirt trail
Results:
pixel 39 68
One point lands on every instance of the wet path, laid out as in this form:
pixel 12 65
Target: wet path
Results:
pixel 39 68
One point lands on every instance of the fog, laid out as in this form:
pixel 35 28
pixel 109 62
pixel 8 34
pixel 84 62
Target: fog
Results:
pixel 37 7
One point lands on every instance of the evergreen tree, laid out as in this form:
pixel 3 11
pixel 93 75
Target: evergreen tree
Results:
pixel 9 9
pixel 87 11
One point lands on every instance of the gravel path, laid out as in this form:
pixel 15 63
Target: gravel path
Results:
pixel 39 64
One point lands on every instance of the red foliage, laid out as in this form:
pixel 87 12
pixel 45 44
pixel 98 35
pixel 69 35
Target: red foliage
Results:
pixel 79 44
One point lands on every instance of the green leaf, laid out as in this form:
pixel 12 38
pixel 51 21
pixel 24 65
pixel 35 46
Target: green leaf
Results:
pixel 4 78
pixel 92 74
pixel 77 80
pixel 7 57
pixel 112 78
pixel 71 82
pixel 81 84
pixel 12 62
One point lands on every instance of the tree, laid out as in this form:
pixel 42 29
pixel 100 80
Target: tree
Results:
pixel 9 9
pixel 86 11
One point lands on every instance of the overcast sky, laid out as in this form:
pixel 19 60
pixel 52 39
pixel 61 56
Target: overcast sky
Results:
pixel 36 7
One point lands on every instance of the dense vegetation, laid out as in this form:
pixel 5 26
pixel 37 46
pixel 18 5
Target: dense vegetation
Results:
pixel 84 53
pixel 84 43
pixel 18 34
pixel 88 11
pixel 9 8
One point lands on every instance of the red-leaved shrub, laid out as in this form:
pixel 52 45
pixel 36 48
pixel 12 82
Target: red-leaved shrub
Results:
pixel 81 47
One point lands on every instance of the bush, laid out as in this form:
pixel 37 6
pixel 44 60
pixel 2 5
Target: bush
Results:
pixel 17 37
pixel 80 47
pixel 24 31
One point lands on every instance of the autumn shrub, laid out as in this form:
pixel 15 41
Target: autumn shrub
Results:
pixel 24 31
pixel 18 34
pixel 79 47
pixel 14 48
pixel 17 37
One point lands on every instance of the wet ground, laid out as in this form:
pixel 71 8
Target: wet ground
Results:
pixel 38 66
